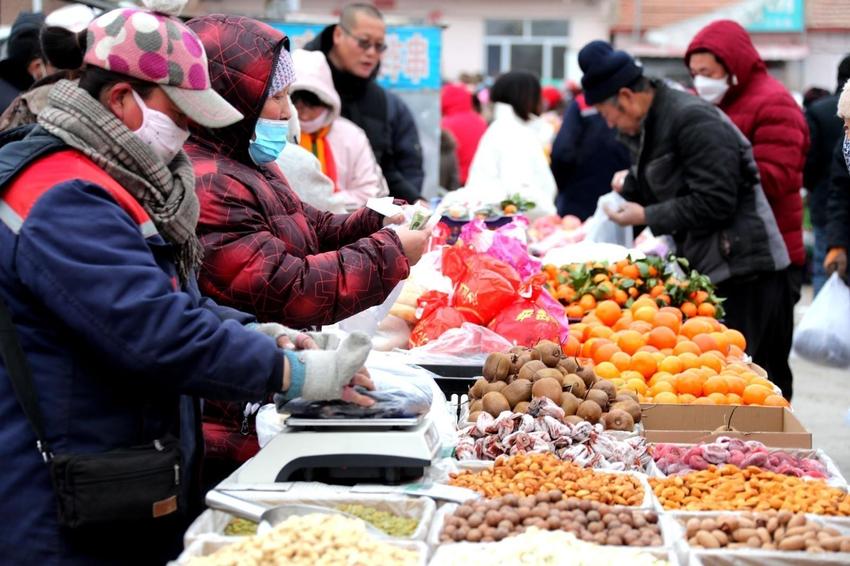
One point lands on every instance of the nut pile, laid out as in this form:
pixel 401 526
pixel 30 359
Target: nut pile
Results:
pixel 773 530
pixel 317 539
pixel 495 519
pixel 543 547
pixel 392 524
pixel 238 527
pixel 530 474
pixel 729 488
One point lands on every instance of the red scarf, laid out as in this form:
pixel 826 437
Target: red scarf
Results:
pixel 317 144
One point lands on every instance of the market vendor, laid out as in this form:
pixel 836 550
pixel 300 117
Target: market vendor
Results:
pixel 694 177
pixel 98 252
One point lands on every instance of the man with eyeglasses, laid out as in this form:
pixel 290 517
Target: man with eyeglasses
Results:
pixel 354 47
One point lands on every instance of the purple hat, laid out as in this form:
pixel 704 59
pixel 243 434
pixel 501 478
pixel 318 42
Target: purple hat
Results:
pixel 156 48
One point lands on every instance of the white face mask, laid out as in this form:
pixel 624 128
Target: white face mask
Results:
pixel 710 89
pixel 164 137
pixel 317 123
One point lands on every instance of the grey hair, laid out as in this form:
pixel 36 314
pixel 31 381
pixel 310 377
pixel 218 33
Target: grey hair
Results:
pixel 844 102
pixel 349 13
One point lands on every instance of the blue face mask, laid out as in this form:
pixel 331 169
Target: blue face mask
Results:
pixel 269 140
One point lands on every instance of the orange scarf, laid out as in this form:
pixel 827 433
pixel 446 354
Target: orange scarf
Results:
pixel 317 144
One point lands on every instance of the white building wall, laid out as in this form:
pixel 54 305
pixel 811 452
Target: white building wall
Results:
pixel 826 50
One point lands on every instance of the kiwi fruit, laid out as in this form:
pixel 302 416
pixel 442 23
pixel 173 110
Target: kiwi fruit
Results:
pixel 478 388
pixel 569 364
pixel 473 417
pixel 587 376
pixel 518 391
pixel 628 394
pixel 476 406
pixel 589 411
pixel 522 407
pixel 493 387
pixel 629 406
pixel 547 387
pixel 495 403
pixel 497 367
pixel 535 355
pixel 529 369
pixel 607 387
pixel 518 350
pixel 616 419
pixel 573 419
pixel 574 385
pixel 550 352
pixel 548 372
pixel 569 403
pixel 599 397
pixel 520 361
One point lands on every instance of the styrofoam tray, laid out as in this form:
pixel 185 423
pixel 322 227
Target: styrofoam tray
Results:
pixel 211 523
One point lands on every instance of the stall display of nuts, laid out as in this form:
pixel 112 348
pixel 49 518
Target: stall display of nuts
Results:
pixel 311 540
pixel 530 474
pixel 729 488
pixel 774 530
pixel 495 519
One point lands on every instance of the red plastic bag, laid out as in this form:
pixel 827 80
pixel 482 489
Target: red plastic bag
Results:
pixel 435 317
pixel 483 285
pixel 526 322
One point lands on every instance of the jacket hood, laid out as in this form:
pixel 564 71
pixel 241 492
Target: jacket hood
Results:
pixel 242 54
pixel 313 74
pixel 731 44
pixel 455 99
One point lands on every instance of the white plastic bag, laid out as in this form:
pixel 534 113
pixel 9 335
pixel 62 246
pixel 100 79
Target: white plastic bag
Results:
pixel 823 336
pixel 601 229
pixel 368 320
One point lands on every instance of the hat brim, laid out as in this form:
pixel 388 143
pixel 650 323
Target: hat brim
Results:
pixel 205 107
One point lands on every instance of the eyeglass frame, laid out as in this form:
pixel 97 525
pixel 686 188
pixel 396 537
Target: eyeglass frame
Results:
pixel 363 43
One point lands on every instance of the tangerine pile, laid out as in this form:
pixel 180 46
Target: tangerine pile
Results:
pixel 663 358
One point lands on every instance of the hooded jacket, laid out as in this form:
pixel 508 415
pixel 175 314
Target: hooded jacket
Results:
pixel 386 120
pixel 265 251
pixel 464 123
pixel 358 176
pixel 769 117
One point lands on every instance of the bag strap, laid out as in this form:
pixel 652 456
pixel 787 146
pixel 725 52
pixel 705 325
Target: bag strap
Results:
pixel 21 377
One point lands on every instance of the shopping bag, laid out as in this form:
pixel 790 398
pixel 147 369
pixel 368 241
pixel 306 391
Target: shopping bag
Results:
pixel 601 229
pixel 823 336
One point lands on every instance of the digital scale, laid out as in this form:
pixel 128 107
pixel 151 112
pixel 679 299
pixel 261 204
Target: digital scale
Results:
pixel 345 451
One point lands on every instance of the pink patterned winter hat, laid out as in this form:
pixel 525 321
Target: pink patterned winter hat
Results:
pixel 156 48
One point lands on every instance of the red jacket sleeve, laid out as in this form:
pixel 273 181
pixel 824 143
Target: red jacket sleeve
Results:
pixel 336 230
pixel 249 267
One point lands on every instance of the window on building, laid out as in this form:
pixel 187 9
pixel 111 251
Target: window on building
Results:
pixel 537 46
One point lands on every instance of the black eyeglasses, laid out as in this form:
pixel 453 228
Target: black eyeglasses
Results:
pixel 363 43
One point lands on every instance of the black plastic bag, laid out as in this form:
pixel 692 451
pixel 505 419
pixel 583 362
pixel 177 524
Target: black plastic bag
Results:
pixel 398 401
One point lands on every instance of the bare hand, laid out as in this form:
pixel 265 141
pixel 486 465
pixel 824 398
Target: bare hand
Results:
pixel 627 214
pixel 619 180
pixel 363 379
pixel 396 219
pixel 413 243
pixel 836 261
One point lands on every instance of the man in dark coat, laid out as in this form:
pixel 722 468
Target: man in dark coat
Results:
pixel 354 47
pixel 694 177
pixel 24 63
pixel 826 129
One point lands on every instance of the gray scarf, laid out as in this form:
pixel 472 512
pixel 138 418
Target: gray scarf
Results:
pixel 166 192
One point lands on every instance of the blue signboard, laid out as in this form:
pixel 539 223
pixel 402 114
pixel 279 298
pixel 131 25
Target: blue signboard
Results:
pixel 411 61
pixel 778 16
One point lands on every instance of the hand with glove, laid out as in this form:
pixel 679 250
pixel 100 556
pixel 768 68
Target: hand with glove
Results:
pixel 290 339
pixel 836 261
pixel 324 375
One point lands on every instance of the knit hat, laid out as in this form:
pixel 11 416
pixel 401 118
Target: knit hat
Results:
pixel 284 72
pixel 605 71
pixel 23 45
pixel 157 48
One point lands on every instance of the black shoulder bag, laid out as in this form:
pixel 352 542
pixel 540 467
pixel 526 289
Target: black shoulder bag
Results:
pixel 140 483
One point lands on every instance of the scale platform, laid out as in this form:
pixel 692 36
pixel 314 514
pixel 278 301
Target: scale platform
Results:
pixel 345 452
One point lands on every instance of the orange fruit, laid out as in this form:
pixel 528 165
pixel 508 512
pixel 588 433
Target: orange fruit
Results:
pixel 672 364
pixel 758 380
pixel 736 339
pixel 646 314
pixel 644 302
pixel 666 398
pixel 629 374
pixel 572 346
pixel 662 337
pixel 587 302
pixel 775 401
pixel 608 312
pixel 604 352
pixel 606 370
pixel 688 309
pixel 689 360
pixel 620 297
pixel 722 342
pixel 641 326
pixel 600 331
pixel 630 341
pixel 686 399
pixel 574 311
pixel 707 309
pixel 711 361
pixel 637 385
pixel 661 376
pixel 715 384
pixel 736 384
pixel 718 398
pixel 686 346
pixel 661 387
pixel 704 401
pixel 590 347
pixel 756 394
pixel 734 399
pixel 644 363
pixel 694 326
pixel 578 330
pixel 690 383
pixel 735 352
pixel 630 270
pixel 674 311
pixel 705 342
pixel 621 360
pixel 667 319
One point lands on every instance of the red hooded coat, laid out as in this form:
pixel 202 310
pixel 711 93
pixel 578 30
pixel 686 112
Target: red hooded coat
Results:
pixel 464 123
pixel 766 113
pixel 266 252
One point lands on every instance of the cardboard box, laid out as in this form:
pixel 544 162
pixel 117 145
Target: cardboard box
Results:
pixel 690 424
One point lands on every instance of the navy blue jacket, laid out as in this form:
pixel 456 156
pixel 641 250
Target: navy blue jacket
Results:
pixel 112 340
pixel 585 156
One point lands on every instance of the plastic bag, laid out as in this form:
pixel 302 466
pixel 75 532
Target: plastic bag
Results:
pixel 525 322
pixel 483 285
pixel 468 340
pixel 435 317
pixel 823 336
pixel 601 229
pixel 396 400
pixel 368 320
